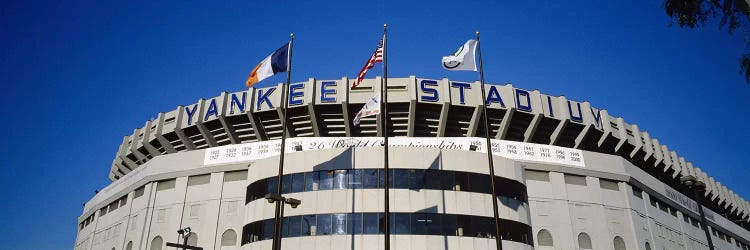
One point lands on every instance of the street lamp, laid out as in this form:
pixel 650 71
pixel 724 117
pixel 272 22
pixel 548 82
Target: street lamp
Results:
pixel 294 203
pixel 698 186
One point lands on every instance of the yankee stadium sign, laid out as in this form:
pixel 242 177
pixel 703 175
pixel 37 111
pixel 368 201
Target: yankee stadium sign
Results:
pixel 408 89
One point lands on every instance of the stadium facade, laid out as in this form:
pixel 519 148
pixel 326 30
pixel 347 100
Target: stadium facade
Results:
pixel 568 175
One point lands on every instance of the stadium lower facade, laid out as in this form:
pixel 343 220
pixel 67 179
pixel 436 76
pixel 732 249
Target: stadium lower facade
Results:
pixel 567 175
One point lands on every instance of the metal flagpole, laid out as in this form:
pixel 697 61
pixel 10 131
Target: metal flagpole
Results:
pixel 384 119
pixel 276 245
pixel 498 240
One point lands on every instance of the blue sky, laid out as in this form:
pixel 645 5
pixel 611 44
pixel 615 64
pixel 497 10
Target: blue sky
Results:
pixel 78 76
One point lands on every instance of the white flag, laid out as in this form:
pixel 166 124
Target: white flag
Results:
pixel 463 59
pixel 372 107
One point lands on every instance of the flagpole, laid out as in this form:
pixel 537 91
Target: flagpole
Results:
pixel 498 240
pixel 276 244
pixel 384 119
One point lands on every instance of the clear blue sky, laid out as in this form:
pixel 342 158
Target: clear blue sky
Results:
pixel 78 76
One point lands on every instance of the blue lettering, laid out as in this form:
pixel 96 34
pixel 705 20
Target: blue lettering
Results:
pixel 263 97
pixel 519 93
pixel 325 92
pixel 425 89
pixel 461 86
pixel 190 113
pixel 549 103
pixel 236 101
pixel 578 118
pixel 597 117
pixel 212 110
pixel 494 97
pixel 295 96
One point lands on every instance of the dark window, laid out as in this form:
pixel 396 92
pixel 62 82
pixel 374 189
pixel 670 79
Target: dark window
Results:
pixel 448 181
pixel 371 221
pixel 307 222
pixel 370 178
pixel 416 179
pixel 286 184
pixel 354 223
pixel 298 182
pixel 400 178
pixel 400 223
pixel 326 180
pixel 432 179
pixel 294 226
pixel 271 186
pixel 450 226
pixel 461 181
pixel 324 224
pixel 311 181
pixel 355 178
pixel 479 183
pixel 267 232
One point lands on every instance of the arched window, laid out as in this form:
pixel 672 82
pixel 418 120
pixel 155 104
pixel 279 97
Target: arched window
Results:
pixel 619 243
pixel 192 239
pixel 584 241
pixel 229 238
pixel 156 243
pixel 648 246
pixel 129 246
pixel 544 238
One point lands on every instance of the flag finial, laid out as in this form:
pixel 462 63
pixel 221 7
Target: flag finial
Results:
pixel 291 35
pixel 477 33
pixel 385 25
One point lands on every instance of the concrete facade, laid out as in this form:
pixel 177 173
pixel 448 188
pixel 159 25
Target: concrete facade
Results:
pixel 625 193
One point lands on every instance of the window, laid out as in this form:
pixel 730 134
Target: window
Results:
pixel 199 179
pixel 324 224
pixel 648 246
pixel 354 223
pixel 165 185
pixel 544 238
pixel 575 180
pixel 402 223
pixel 298 182
pixel 308 225
pixel 537 175
pixel 416 178
pixel 229 238
pixel 156 243
pixel 326 180
pixel 609 185
pixel 129 246
pixel 584 241
pixel 370 178
pixel 371 223
pixel 290 226
pixel 339 179
pixel 235 176
pixel 619 243
pixel 311 181
pixel 139 192
pixel 354 177
pixel 338 223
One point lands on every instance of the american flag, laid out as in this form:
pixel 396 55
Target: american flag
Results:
pixel 376 57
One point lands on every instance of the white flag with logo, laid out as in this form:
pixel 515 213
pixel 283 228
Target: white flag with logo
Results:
pixel 372 107
pixel 463 59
